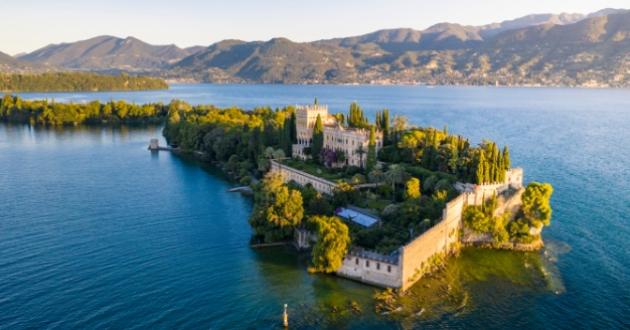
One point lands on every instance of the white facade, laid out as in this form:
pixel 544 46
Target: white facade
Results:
pixel 337 138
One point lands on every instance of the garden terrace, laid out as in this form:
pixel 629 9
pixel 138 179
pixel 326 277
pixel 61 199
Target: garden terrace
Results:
pixel 312 168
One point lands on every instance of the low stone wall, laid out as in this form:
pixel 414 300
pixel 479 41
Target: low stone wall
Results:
pixel 302 178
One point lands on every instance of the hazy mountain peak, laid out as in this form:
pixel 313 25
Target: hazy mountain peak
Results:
pixel 108 53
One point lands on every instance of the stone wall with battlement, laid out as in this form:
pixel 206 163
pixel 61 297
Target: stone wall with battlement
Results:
pixel 411 261
pixel 415 258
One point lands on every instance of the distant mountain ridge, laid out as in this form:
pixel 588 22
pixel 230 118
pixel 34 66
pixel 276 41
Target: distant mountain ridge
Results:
pixel 108 52
pixel 542 49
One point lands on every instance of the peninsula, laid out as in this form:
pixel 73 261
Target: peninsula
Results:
pixel 382 203
pixel 379 202
pixel 77 82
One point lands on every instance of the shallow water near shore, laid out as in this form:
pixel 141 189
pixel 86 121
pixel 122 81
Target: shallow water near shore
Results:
pixel 97 232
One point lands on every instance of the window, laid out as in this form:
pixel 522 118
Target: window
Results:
pixel 389 269
pixel 367 263
pixel 378 266
pixel 356 262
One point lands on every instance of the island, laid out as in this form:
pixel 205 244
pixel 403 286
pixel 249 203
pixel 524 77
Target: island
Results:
pixel 381 202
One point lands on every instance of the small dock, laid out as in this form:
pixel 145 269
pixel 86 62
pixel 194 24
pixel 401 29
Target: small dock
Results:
pixel 154 145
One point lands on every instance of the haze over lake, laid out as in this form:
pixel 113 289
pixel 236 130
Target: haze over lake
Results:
pixel 97 232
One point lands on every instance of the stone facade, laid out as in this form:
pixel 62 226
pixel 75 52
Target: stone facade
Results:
pixel 336 137
pixel 372 268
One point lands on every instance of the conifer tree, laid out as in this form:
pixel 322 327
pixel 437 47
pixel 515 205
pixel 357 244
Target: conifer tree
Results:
pixel 385 126
pixel 371 154
pixel 480 171
pixel 356 118
pixel 293 129
pixel 506 158
pixel 318 139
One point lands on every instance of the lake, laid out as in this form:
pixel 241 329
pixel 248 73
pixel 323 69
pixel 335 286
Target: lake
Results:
pixel 97 232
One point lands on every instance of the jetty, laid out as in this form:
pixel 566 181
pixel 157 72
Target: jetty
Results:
pixel 247 190
pixel 154 145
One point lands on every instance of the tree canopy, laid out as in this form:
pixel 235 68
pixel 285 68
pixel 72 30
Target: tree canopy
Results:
pixel 536 203
pixel 278 211
pixel 43 112
pixel 318 139
pixel 76 82
pixel 333 240
pixel 356 118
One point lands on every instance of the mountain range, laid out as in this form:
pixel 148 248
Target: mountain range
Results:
pixel 542 49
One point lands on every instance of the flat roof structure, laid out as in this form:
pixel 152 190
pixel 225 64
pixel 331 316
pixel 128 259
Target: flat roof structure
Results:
pixel 356 216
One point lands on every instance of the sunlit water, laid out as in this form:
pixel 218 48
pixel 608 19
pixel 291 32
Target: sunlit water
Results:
pixel 97 232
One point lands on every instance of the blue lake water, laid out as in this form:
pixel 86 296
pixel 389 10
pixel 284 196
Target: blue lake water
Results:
pixel 96 232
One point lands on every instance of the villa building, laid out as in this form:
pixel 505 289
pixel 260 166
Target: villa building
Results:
pixel 353 142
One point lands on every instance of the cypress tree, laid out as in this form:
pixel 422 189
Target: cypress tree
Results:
pixel 318 139
pixel 371 154
pixel 496 170
pixel 356 118
pixel 285 137
pixel 480 171
pixel 293 128
pixel 506 158
pixel 486 169
pixel 385 126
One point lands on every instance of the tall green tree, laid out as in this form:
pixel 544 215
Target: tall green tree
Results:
pixel 480 165
pixel 536 203
pixel 278 210
pixel 395 175
pixel 383 124
pixel 371 154
pixel 318 139
pixel 356 118
pixel 506 158
pixel 293 128
pixel 333 240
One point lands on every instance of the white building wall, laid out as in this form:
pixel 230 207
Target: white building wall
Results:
pixel 374 272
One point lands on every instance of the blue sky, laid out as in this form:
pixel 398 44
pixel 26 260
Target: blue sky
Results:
pixel 26 25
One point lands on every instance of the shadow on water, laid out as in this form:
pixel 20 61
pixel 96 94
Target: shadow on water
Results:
pixel 475 278
pixel 315 300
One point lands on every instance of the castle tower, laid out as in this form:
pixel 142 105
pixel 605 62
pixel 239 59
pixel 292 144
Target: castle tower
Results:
pixel 305 118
